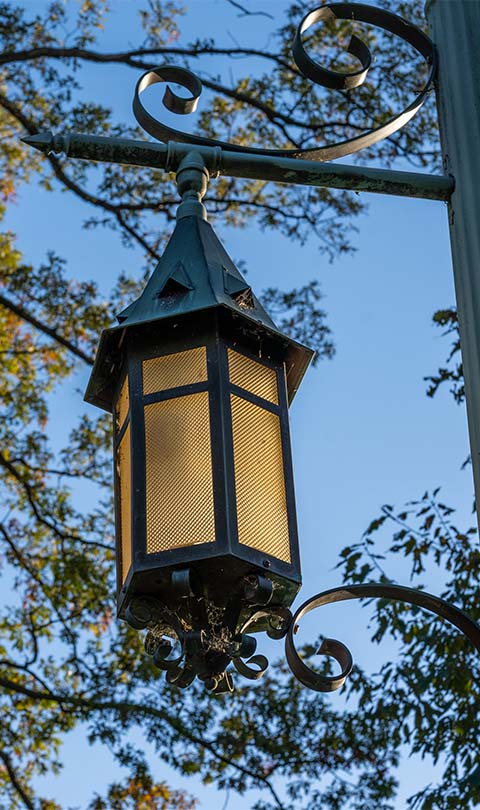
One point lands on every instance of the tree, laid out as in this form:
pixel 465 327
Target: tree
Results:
pixel 62 659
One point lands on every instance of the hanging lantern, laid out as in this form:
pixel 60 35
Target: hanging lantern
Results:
pixel 199 381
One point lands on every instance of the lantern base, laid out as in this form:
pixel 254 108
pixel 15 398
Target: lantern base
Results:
pixel 195 636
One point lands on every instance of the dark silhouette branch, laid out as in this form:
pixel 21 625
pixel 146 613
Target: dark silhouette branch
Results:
pixel 52 52
pixel 244 12
pixel 29 492
pixel 130 59
pixel 32 128
pixel 21 312
pixel 129 709
pixel 33 574
pixel 12 775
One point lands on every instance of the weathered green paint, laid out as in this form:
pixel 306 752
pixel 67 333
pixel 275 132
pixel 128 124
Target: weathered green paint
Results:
pixel 236 164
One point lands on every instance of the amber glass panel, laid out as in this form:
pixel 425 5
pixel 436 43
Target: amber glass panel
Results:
pixel 173 370
pixel 259 479
pixel 254 377
pixel 125 505
pixel 179 497
pixel 121 408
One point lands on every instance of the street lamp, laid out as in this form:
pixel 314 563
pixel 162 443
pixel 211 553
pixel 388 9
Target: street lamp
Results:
pixel 199 381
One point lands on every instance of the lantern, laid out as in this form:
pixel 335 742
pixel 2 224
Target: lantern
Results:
pixel 199 380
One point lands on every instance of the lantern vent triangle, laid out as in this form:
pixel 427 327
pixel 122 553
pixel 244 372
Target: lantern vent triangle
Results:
pixel 177 283
pixel 238 289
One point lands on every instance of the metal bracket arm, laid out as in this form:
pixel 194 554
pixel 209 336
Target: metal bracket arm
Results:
pixel 292 171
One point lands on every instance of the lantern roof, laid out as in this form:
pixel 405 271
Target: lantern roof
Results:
pixel 194 274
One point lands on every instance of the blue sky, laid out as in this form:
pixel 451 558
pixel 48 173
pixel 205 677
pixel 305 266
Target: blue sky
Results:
pixel 363 431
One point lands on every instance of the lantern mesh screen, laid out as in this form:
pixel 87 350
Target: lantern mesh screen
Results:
pixel 259 479
pixel 179 486
pixel 121 408
pixel 254 377
pixel 125 506
pixel 173 370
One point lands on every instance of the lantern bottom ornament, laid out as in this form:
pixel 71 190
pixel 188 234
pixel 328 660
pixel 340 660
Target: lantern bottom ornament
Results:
pixel 197 637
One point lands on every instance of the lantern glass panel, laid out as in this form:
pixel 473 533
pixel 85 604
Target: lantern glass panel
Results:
pixel 174 370
pixel 257 378
pixel 179 485
pixel 125 505
pixel 121 408
pixel 259 479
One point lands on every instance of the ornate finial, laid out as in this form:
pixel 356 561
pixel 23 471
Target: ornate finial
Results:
pixel 192 183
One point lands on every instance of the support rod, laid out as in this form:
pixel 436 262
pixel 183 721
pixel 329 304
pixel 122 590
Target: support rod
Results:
pixel 238 164
pixel 455 28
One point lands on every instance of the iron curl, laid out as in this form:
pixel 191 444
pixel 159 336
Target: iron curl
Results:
pixel 325 683
pixel 312 70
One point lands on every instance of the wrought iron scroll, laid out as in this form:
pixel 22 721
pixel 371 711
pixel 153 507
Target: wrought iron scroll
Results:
pixel 335 80
pixel 184 644
pixel 325 683
pixel 184 653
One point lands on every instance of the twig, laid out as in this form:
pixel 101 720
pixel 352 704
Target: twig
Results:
pixel 244 12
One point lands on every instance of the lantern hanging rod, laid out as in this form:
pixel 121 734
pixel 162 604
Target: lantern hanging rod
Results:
pixel 241 164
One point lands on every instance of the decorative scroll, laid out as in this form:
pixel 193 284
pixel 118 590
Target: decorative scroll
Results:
pixel 311 70
pixel 200 639
pixel 210 641
pixel 324 683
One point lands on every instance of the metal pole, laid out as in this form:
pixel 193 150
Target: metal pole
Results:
pixel 237 164
pixel 455 26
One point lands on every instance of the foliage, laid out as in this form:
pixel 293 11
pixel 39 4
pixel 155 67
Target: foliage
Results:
pixel 453 371
pixel 63 661
pixel 428 694
pixel 141 793
pixel 297 314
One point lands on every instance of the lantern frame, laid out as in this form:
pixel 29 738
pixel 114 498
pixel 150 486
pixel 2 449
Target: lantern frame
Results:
pixel 217 332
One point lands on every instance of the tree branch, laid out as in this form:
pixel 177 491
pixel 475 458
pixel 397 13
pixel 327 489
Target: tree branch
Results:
pixel 32 128
pixel 31 571
pixel 244 12
pixel 28 489
pixel 130 59
pixel 15 781
pixel 21 312
pixel 51 52
pixel 126 709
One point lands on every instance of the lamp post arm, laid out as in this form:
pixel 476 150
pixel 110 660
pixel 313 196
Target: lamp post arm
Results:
pixel 292 171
